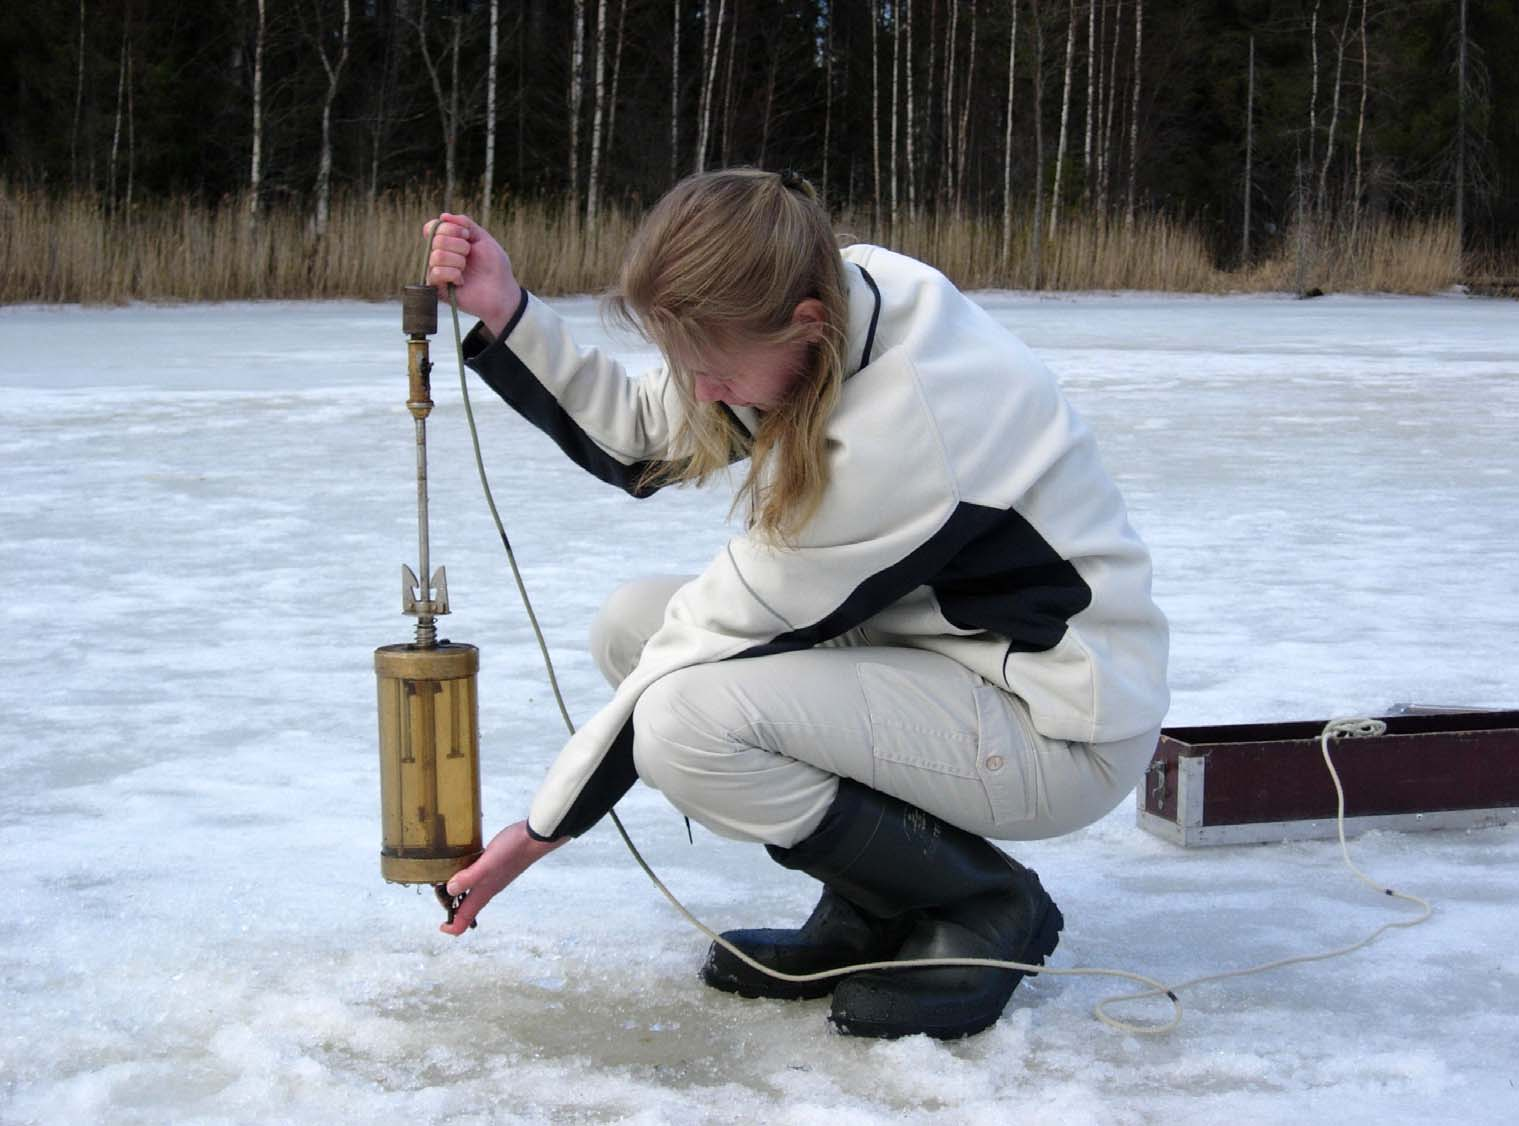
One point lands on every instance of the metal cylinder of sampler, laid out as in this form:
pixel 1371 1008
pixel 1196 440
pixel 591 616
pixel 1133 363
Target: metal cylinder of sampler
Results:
pixel 429 761
pixel 428 703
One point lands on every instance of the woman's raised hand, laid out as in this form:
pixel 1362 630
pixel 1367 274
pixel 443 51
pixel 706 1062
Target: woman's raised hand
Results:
pixel 510 853
pixel 465 256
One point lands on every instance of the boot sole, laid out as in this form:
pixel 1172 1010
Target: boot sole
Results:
pixel 1046 937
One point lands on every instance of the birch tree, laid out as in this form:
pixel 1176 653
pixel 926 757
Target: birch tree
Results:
pixel 713 42
pixel 255 172
pixel 875 116
pixel 622 12
pixel 79 105
pixel 965 104
pixel 1139 35
pixel 896 66
pixel 1313 97
pixel 1355 195
pixel 121 87
pixel 1036 250
pixel 577 85
pixel 1065 114
pixel 1086 144
pixel 447 101
pixel 598 113
pixel 1007 141
pixel 332 65
pixel 1334 111
pixel 488 179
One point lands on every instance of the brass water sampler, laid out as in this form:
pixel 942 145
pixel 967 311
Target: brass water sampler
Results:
pixel 429 707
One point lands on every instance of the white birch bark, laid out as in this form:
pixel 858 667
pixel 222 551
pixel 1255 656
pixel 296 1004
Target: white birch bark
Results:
pixel 121 86
pixel 1355 204
pixel 875 116
pixel 577 87
pixel 1065 115
pixel 447 103
pixel 256 169
pixel 1313 98
pixel 334 70
pixel 1334 106
pixel 1105 163
pixel 910 123
pixel 896 67
pixel 1037 246
pixel 1007 142
pixel 727 116
pixel 598 115
pixel 947 110
pixel 78 107
pixel 709 80
pixel 1139 34
pixel 965 104
pixel 607 149
pixel 1086 143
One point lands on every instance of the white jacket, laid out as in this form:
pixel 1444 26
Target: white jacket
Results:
pixel 967 513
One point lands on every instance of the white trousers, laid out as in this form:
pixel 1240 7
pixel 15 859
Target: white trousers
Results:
pixel 753 749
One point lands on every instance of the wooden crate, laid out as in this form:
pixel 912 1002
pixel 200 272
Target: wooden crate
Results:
pixel 1249 783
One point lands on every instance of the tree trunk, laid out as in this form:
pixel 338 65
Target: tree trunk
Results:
pixel 714 46
pixel 1105 175
pixel 1007 143
pixel 1334 111
pixel 896 67
pixel 255 172
pixel 908 123
pixel 79 103
pixel 608 148
pixel 1355 204
pixel 1461 93
pixel 598 113
pixel 1037 247
pixel 1244 250
pixel 487 181
pixel 1139 29
pixel 448 104
pixel 675 96
pixel 947 186
pixel 334 70
pixel 1086 143
pixel 577 85
pixel 379 126
pixel 121 87
pixel 728 88
pixel 965 104
pixel 1313 99
pixel 1065 115
pixel 875 117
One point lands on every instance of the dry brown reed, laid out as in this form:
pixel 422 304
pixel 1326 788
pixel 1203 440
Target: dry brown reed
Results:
pixel 71 250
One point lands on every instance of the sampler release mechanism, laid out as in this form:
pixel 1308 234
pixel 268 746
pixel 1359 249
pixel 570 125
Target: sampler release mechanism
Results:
pixel 428 701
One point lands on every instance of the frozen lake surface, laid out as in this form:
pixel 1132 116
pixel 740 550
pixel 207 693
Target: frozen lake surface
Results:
pixel 205 509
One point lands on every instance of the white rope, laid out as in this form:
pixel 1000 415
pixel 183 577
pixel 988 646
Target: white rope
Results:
pixel 1334 729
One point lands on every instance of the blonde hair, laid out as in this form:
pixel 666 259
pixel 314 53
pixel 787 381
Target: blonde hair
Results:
pixel 722 261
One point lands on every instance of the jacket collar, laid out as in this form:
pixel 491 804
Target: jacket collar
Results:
pixel 864 316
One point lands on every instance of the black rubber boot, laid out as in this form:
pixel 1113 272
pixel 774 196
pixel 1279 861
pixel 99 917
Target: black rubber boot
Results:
pixel 837 933
pixel 963 897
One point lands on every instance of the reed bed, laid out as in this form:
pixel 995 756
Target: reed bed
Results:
pixel 70 249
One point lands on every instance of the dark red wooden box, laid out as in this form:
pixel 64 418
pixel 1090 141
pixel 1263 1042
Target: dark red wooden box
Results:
pixel 1259 782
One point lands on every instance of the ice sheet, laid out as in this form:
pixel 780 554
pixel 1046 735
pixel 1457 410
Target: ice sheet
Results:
pixel 205 510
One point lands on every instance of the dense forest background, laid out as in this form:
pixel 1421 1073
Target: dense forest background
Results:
pixel 1247 122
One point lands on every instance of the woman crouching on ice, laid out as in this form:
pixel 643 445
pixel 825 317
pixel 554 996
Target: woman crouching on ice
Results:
pixel 937 629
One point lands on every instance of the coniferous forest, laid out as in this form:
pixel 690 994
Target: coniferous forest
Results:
pixel 290 147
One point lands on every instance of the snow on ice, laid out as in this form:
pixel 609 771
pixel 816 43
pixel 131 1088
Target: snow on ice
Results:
pixel 205 512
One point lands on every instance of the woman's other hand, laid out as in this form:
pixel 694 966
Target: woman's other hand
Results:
pixel 510 853
pixel 465 256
